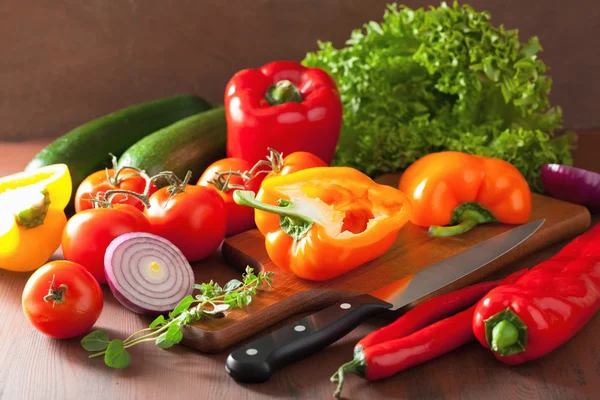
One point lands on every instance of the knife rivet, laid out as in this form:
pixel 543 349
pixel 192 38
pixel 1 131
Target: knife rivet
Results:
pixel 252 352
pixel 299 328
pixel 345 306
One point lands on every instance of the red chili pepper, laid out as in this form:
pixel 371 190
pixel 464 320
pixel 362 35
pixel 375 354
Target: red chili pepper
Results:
pixel 282 105
pixel 427 313
pixel 544 308
pixel 401 345
pixel 388 358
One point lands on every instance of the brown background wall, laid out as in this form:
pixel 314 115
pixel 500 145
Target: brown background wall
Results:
pixel 65 62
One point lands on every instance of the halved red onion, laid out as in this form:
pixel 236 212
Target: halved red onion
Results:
pixel 574 185
pixel 147 273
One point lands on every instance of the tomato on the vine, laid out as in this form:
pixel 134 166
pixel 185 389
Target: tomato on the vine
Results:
pixel 192 217
pixel 100 182
pixel 88 233
pixel 62 299
pixel 294 162
pixel 225 176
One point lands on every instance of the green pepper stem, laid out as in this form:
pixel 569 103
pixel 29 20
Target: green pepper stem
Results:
pixel 356 366
pixel 291 222
pixel 453 230
pixel 282 92
pixel 464 218
pixel 506 333
pixel 247 198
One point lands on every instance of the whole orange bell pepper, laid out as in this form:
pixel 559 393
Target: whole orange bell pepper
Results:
pixel 322 222
pixel 462 191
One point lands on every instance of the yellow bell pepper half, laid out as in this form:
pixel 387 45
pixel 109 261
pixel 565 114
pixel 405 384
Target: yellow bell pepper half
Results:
pixel 32 216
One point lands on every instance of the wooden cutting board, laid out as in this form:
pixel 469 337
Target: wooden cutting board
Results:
pixel 412 251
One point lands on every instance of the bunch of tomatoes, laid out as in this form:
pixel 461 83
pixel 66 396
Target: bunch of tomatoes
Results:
pixel 194 217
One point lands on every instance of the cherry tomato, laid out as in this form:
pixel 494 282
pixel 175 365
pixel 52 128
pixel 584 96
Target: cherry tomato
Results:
pixel 88 233
pixel 62 299
pixel 239 218
pixel 99 183
pixel 194 219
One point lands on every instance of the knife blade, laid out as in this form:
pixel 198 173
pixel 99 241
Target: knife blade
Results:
pixel 256 361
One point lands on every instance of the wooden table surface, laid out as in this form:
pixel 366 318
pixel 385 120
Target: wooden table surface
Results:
pixel 33 366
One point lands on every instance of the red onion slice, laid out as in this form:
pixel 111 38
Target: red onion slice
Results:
pixel 147 273
pixel 574 185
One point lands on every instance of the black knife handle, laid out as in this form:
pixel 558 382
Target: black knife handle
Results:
pixel 256 361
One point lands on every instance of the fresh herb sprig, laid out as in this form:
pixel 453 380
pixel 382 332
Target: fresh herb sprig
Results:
pixel 166 332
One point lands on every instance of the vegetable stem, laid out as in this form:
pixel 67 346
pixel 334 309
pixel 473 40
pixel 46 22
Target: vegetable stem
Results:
pixel 283 92
pixel 157 330
pixel 247 198
pixel 506 333
pixel 464 226
pixel 137 333
pixel 355 366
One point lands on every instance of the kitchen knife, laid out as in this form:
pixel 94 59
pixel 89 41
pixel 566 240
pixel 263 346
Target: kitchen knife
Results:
pixel 256 361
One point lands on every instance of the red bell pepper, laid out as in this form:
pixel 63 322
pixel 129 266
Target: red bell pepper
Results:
pixel 545 307
pixel 282 105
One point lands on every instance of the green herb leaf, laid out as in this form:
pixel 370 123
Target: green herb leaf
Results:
pixel 95 341
pixel 174 334
pixel 218 308
pixel 206 289
pixel 232 285
pixel 116 356
pixel 159 321
pixel 162 342
pixel 230 299
pixel 183 306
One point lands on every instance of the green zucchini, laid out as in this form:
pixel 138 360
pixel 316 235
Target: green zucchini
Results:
pixel 190 144
pixel 86 148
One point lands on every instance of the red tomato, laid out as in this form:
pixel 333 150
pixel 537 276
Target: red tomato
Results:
pixel 239 218
pixel 62 300
pixel 98 183
pixel 298 161
pixel 88 233
pixel 193 220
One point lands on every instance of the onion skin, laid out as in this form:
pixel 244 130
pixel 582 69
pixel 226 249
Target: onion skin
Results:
pixel 574 185
pixel 155 245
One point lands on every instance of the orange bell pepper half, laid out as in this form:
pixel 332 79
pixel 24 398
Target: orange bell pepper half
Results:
pixel 462 191
pixel 322 222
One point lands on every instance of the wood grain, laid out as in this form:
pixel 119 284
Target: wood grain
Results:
pixel 64 62
pixel 35 367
